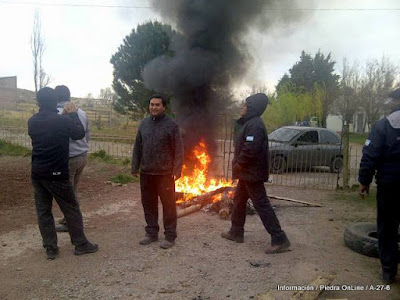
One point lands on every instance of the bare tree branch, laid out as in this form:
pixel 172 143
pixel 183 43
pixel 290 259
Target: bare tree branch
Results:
pixel 40 77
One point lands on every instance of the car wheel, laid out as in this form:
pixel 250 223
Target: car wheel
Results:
pixel 362 238
pixel 336 164
pixel 278 164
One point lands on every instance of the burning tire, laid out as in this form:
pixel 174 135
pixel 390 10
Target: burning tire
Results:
pixel 362 238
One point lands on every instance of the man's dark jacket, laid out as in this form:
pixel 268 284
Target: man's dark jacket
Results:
pixel 50 134
pixel 250 162
pixel 381 152
pixel 158 148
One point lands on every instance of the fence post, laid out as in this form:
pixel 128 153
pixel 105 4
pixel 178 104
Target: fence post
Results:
pixel 346 160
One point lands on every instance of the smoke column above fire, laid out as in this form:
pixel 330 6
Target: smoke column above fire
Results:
pixel 211 58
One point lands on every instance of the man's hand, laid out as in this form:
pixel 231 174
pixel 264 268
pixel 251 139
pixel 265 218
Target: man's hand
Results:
pixel 135 174
pixel 364 190
pixel 69 108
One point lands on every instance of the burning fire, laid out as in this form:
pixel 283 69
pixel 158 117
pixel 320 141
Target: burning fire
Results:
pixel 197 183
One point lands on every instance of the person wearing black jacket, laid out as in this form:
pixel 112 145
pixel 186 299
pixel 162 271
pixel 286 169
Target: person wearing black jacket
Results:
pixel 381 157
pixel 250 166
pixel 50 135
pixel 158 153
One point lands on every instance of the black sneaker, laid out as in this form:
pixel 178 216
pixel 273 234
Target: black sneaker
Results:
pixel 62 228
pixel 52 253
pixel 86 248
pixel 229 236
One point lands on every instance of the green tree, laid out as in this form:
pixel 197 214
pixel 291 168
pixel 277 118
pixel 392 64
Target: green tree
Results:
pixel 289 106
pixel 308 72
pixel 147 42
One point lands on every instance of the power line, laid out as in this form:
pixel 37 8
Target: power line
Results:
pixel 150 7
pixel 73 5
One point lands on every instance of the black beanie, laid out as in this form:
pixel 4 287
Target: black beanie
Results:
pixel 46 97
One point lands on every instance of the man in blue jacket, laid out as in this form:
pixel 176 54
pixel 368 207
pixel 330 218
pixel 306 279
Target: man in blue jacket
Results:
pixel 250 166
pixel 50 134
pixel 381 157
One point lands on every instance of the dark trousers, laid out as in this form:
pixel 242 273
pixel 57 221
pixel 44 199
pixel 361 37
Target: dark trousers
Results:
pixel 63 193
pixel 388 226
pixel 256 192
pixel 153 186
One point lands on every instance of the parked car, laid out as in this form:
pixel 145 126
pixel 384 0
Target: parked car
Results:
pixel 294 147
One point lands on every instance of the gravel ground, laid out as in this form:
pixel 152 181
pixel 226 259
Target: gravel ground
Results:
pixel 200 266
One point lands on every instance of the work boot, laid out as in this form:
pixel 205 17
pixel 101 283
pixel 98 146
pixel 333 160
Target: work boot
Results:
pixel 278 248
pixel 165 244
pixel 148 240
pixel 62 228
pixel 51 252
pixel 388 278
pixel 232 237
pixel 86 248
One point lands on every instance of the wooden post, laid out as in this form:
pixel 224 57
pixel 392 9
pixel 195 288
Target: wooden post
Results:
pixel 346 160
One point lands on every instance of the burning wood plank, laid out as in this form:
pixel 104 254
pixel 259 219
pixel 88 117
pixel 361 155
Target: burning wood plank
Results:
pixel 188 210
pixel 196 203
pixel 204 198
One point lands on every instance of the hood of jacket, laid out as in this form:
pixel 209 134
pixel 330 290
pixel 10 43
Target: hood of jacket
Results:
pixel 256 105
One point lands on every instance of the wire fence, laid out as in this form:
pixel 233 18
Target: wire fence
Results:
pixel 308 164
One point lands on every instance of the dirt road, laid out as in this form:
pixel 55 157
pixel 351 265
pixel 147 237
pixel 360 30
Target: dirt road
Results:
pixel 200 266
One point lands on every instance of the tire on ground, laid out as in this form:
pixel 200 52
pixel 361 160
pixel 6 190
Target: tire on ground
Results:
pixel 362 238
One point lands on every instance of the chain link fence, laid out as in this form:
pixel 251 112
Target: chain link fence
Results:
pixel 304 163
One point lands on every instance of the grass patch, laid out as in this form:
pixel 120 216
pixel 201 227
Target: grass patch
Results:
pixel 123 178
pixel 358 138
pixel 13 150
pixel 103 156
pixel 353 196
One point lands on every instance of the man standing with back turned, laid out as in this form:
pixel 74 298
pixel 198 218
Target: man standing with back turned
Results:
pixel 50 134
pixel 381 154
pixel 158 152
pixel 250 166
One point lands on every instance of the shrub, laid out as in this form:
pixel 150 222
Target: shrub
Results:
pixel 123 178
pixel 13 150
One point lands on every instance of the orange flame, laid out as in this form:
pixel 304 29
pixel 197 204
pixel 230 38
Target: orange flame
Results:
pixel 197 183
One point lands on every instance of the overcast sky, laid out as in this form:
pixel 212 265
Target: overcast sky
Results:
pixel 80 38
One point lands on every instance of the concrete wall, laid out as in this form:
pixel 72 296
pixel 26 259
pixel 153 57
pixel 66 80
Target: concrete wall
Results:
pixel 8 82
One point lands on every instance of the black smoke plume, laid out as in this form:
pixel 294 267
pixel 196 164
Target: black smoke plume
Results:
pixel 211 58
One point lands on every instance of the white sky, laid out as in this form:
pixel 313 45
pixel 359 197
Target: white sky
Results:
pixel 80 40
